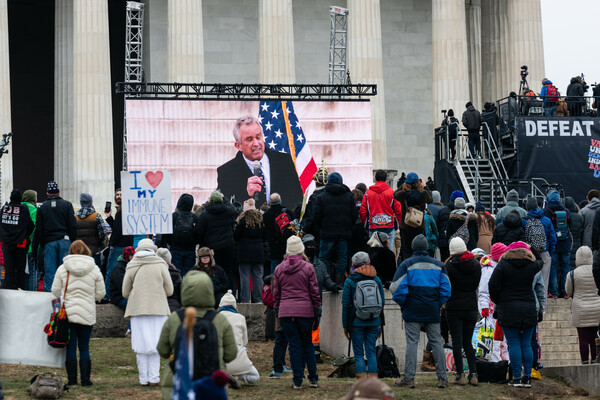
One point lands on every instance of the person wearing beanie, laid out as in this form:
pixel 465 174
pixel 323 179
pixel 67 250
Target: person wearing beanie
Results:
pixel 420 287
pixel 378 210
pixel 33 278
pixel 457 220
pixel 442 224
pixel 174 300
pixel 510 289
pixel 436 205
pixel 471 120
pixel 91 228
pixel 197 292
pixel 182 243
pixel 250 236
pixel 363 333
pixel 460 204
pixel 15 228
pixel 544 243
pixel 382 258
pixel 56 228
pixel 116 278
pixel 146 286
pixel 241 368
pixel 561 258
pixel 334 216
pixel 488 263
pixel 470 207
pixel 464 272
pixel 413 196
pixel 588 214
pixel 512 203
pixel 486 225
pixel 298 307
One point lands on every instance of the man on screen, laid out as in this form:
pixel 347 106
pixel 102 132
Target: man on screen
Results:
pixel 256 172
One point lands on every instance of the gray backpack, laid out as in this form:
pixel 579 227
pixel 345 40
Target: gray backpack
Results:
pixel 46 386
pixel 367 300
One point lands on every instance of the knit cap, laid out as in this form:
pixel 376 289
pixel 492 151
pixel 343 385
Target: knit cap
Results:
pixel 518 245
pixel 52 188
pixel 129 251
pixel 335 178
pixel 294 246
pixel 85 199
pixel 228 300
pixel 553 197
pixel 308 239
pixel 479 206
pixel 30 196
pixel 470 205
pixel 359 259
pixel 455 194
pixel 146 244
pixel 531 204
pixel 16 196
pixel 216 197
pixel 459 203
pixel 165 254
pixel 412 178
pixel 497 250
pixel 457 246
pixel 478 253
pixel 420 243
pixel 436 197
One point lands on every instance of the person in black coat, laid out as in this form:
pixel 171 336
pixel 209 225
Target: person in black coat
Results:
pixel 442 223
pixel 116 278
pixel 509 230
pixel 250 237
pixel 275 237
pixel 382 258
pixel 334 215
pixel 576 226
pixel 206 263
pixel 457 219
pixel 575 100
pixel 510 288
pixel 182 243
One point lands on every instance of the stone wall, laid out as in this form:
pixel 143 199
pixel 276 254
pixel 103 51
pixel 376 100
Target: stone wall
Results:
pixel 585 376
pixel 557 336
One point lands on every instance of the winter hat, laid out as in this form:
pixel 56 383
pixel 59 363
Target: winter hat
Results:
pixel 85 199
pixel 212 387
pixel 435 195
pixel 146 244
pixel 228 300
pixel 249 205
pixel 479 207
pixel 30 196
pixel 554 197
pixel 294 244
pixel 412 178
pixel 459 203
pixel 531 204
pixel 165 254
pixel 335 178
pixel 593 194
pixel 478 253
pixel 16 196
pixel 369 388
pixel 455 194
pixel 359 259
pixel 216 197
pixel 420 243
pixel 584 256
pixel 129 251
pixel 308 239
pixel 518 245
pixel 470 205
pixel 512 196
pixel 52 188
pixel 457 246
pixel 544 81
pixel 451 113
pixel 497 250
pixel 205 251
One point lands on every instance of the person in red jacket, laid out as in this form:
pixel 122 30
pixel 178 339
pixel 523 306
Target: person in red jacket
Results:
pixel 379 212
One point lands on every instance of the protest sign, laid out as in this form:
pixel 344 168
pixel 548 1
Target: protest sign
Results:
pixel 146 202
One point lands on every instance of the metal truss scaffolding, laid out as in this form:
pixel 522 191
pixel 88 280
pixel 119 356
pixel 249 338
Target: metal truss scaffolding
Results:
pixel 337 45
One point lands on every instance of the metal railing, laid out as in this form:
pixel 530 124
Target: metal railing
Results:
pixel 509 108
pixel 525 187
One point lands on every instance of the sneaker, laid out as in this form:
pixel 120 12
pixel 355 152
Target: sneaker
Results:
pixel 515 383
pixel 526 381
pixel 460 380
pixel 404 383
pixel 314 384
pixel 294 386
pixel 566 296
pixel 473 381
pixel 442 383
pixel 275 375
pixel 287 370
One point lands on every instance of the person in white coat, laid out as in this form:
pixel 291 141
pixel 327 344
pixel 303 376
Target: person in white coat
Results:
pixel 146 286
pixel 85 286
pixel 585 309
pixel 241 368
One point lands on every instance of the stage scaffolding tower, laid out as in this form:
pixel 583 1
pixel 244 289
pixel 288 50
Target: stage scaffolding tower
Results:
pixel 134 73
pixel 337 45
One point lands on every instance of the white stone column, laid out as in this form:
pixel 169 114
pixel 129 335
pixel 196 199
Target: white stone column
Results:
pixel 450 57
pixel 93 160
pixel 63 97
pixel 185 41
pixel 276 61
pixel 5 117
pixel 473 17
pixel 365 62
pixel 497 82
pixel 527 45
pixel 156 32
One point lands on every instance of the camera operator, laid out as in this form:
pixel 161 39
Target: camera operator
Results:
pixel 451 124
pixel 575 100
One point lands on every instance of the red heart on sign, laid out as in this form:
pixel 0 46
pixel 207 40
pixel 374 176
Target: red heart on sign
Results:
pixel 154 178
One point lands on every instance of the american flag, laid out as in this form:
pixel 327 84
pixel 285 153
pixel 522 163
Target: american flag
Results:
pixel 183 388
pixel 283 133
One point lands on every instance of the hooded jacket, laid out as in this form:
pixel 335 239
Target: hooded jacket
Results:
pixel 197 292
pixel 215 226
pixel 15 224
pixel 379 209
pixel 483 292
pixel 511 289
pixel 361 273
pixel 146 285
pixel 442 223
pixel 585 309
pixel 457 218
pixel 548 228
pixel 335 212
pixel 562 246
pixel 464 273
pixel 295 288
pixel 413 198
pixel 544 92
pixel 184 206
pixel 242 364
pixel 510 205
pixel 588 214
pixel 510 230
pixel 29 200
pixel 471 119
pixel 576 225
pixel 85 287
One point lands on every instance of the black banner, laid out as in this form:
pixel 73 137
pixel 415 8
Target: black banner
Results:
pixel 564 150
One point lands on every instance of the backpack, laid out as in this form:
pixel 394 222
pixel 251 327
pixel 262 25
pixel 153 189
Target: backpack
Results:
pixel 560 224
pixel 431 238
pixel 46 386
pixel 206 344
pixel 462 232
pixel 535 234
pixel 387 364
pixel 552 93
pixel 367 300
pixel 267 295
pixel 183 231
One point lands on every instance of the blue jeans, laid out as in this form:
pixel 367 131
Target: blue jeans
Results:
pixel 184 260
pixel 256 271
pixel 341 252
pixel 550 111
pixel 275 263
pixel 298 332
pixel 364 339
pixel 113 256
pixel 558 272
pixel 33 279
pixel 519 350
pixel 281 345
pixel 391 232
pixel 54 252
pixel 79 337
pixel 535 348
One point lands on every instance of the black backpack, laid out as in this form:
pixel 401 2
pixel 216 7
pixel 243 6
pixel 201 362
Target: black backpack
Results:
pixel 206 344
pixel 183 231
pixel 387 365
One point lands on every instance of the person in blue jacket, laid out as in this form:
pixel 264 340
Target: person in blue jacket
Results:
pixel 421 286
pixel 561 259
pixel 362 332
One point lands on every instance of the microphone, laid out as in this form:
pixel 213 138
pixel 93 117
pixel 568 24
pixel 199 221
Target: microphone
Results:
pixel 256 172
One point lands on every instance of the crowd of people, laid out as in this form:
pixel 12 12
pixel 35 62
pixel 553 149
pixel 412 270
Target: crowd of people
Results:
pixel 447 266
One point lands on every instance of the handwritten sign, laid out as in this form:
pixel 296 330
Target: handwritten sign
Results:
pixel 146 202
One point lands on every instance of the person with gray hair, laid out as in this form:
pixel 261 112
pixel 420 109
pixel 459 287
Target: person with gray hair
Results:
pixel 257 170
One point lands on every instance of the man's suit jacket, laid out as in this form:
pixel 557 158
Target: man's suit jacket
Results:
pixel 232 178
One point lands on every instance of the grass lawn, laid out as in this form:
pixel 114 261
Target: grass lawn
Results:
pixel 114 374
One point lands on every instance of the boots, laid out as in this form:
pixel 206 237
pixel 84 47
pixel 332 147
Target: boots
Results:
pixel 71 366
pixel 460 380
pixel 86 369
pixel 428 364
